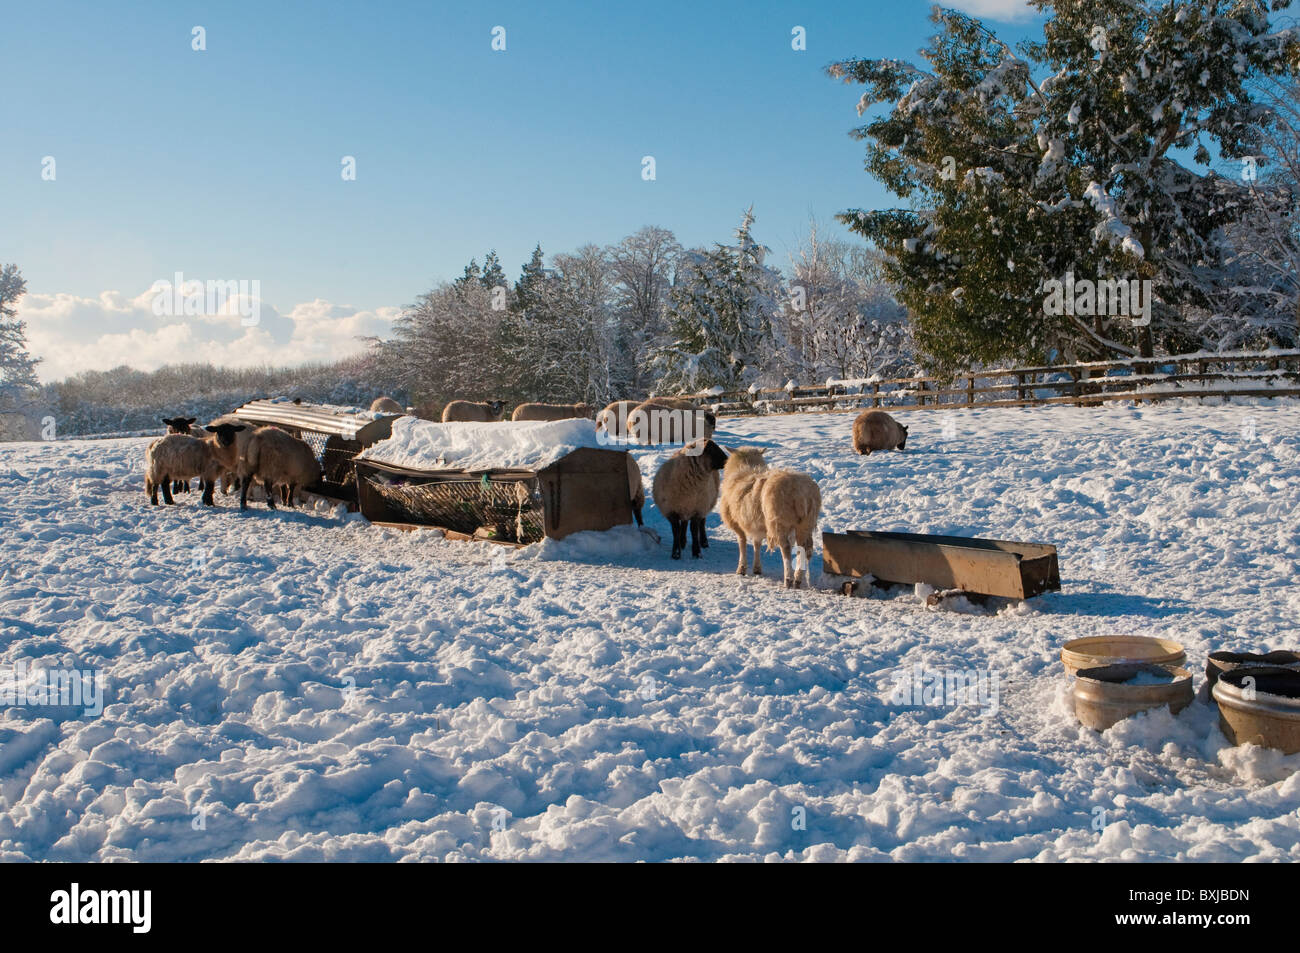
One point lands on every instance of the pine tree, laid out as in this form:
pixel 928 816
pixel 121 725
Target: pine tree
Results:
pixel 1013 181
pixel 720 317
pixel 18 381
pixel 494 275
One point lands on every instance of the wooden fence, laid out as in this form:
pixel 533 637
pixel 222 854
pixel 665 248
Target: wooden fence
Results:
pixel 1273 373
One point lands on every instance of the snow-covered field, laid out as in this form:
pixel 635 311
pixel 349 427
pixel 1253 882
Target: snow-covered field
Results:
pixel 300 686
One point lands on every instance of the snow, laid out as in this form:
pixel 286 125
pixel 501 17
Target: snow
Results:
pixel 301 685
pixel 526 445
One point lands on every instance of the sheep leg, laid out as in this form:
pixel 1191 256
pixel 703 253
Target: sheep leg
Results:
pixel 740 539
pixel 152 489
pixel 758 559
pixel 288 495
pixel 270 494
pixel 636 511
pixel 167 490
pixel 243 494
pixel 208 487
pixel 679 535
pixel 785 561
pixel 704 537
pixel 695 537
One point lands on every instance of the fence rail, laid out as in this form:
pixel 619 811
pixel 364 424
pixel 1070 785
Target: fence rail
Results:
pixel 1273 373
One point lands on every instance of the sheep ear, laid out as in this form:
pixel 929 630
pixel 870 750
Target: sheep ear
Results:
pixel 238 427
pixel 904 430
pixel 190 420
pixel 211 429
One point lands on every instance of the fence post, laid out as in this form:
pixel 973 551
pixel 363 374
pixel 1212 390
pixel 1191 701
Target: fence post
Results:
pixel 875 390
pixel 1020 389
pixel 970 390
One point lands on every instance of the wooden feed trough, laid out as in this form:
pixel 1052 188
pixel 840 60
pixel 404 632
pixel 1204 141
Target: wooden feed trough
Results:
pixel 989 567
pixel 337 434
pixel 546 489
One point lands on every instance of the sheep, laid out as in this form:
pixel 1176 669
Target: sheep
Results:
pixel 386 405
pixel 686 489
pixel 182 425
pixel 277 459
pixel 777 505
pixel 876 430
pixel 612 421
pixel 230 476
pixel 552 411
pixel 470 411
pixel 179 457
pixel 635 488
pixel 670 420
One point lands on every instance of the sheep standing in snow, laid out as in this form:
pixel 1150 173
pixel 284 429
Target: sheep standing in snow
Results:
pixel 876 430
pixel 552 411
pixel 670 420
pixel 386 405
pixel 243 433
pixel 466 410
pixel 178 457
pixel 184 425
pixel 686 489
pixel 613 419
pixel 277 459
pixel 635 488
pixel 778 506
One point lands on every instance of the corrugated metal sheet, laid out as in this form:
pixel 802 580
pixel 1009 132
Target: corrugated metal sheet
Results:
pixel 365 428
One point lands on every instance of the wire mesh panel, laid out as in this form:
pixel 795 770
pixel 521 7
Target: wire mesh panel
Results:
pixel 505 510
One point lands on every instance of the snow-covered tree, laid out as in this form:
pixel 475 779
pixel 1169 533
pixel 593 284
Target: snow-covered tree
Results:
pixel 839 319
pixel 17 368
pixel 642 268
pixel 1019 169
pixel 721 317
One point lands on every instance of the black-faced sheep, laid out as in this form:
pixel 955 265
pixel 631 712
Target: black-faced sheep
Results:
pixel 277 459
pixel 184 425
pixel 552 411
pixel 386 405
pixel 686 489
pixel 179 457
pixel 243 433
pixel 465 410
pixel 876 430
pixel 778 506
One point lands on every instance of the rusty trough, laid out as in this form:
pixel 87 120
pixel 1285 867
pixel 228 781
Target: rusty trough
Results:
pixel 989 567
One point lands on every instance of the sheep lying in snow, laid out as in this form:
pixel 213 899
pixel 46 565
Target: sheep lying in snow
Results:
pixel 470 411
pixel 386 405
pixel 777 505
pixel 686 489
pixel 876 430
pixel 670 420
pixel 552 411
pixel 182 457
pixel 277 459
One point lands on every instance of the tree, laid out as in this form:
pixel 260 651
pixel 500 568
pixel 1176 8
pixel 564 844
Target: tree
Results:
pixel 720 317
pixel 642 266
pixel 1013 182
pixel 18 381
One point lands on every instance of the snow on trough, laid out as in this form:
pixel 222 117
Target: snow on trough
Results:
pixel 302 686
pixel 506 445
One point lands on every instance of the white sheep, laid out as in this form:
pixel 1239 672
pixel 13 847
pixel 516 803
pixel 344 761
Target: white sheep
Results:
pixel 876 430
pixel 552 411
pixel 778 506
pixel 386 405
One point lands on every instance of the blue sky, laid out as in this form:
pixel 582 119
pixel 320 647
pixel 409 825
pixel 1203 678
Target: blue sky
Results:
pixel 225 164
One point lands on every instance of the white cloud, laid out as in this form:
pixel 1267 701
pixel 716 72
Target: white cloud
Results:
pixel 1005 10
pixel 74 334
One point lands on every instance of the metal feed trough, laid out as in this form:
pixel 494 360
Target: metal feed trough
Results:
pixel 336 434
pixel 990 567
pixel 586 489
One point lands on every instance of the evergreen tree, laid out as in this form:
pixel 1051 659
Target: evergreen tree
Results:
pixel 494 275
pixel 721 317
pixel 17 368
pixel 1013 182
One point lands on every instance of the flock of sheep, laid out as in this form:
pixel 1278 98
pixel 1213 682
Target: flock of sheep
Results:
pixel 760 505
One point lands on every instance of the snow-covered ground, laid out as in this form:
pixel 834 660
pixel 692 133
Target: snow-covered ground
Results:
pixel 301 686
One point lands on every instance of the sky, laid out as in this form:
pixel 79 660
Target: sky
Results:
pixel 227 163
